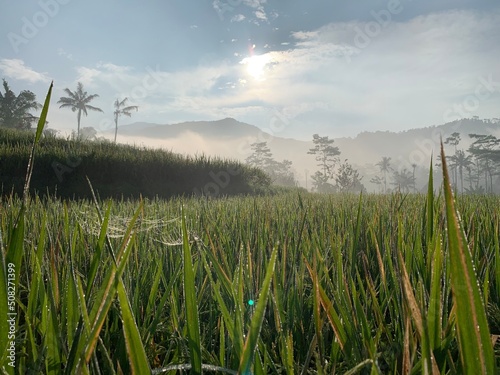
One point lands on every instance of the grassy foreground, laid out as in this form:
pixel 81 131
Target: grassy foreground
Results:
pixel 336 300
pixel 286 284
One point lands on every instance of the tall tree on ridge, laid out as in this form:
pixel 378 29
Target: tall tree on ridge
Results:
pixel 120 109
pixel 78 102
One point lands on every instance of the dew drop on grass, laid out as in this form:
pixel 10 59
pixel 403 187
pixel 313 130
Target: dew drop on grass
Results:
pixel 251 302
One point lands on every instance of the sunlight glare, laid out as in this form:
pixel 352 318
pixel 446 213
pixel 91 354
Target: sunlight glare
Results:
pixel 256 65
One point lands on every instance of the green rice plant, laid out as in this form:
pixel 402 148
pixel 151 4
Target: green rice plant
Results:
pixel 350 278
pixel 193 324
pixel 247 357
pixel 13 256
pixel 476 351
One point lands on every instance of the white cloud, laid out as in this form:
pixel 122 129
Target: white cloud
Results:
pixel 87 75
pixel 413 70
pixel 399 69
pixel 261 14
pixel 16 69
pixel 254 3
pixel 238 18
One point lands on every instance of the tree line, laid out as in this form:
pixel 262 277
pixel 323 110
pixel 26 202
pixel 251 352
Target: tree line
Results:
pixel 15 110
pixel 473 170
pixel 332 176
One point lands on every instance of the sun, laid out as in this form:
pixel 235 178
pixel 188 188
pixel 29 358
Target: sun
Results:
pixel 256 66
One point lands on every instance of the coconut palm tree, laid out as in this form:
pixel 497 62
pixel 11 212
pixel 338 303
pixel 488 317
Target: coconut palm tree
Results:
pixel 15 109
pixel 403 180
pixel 385 166
pixel 78 102
pixel 460 161
pixel 120 109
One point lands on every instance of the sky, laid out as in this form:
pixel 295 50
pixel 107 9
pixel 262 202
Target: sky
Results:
pixel 293 68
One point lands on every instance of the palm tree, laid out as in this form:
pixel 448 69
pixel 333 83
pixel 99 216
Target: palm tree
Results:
pixel 121 110
pixel 414 166
pixel 461 161
pixel 15 110
pixel 385 166
pixel 78 101
pixel 403 180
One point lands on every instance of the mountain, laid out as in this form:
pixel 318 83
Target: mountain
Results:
pixel 230 138
pixel 227 128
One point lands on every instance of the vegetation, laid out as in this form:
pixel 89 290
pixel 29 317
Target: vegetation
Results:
pixel 280 173
pixel 336 300
pixel 121 109
pixel 78 102
pixel 117 171
pixel 15 110
pixel 346 178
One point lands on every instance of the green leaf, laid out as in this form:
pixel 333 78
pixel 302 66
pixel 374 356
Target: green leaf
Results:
pixel 193 324
pixel 434 314
pixel 257 319
pixel 476 351
pixel 39 130
pixel 430 205
pixel 135 349
pixel 333 317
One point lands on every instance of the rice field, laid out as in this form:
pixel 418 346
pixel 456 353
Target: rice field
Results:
pixel 288 284
pixel 328 273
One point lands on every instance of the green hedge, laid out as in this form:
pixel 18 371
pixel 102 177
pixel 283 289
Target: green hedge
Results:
pixel 119 171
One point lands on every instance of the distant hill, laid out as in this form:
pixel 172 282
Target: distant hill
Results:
pixel 226 128
pixel 231 138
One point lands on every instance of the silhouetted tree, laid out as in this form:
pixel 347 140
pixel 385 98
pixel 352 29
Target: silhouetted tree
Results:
pixel 460 161
pixel 15 109
pixel 385 167
pixel 403 180
pixel 347 179
pixel 121 109
pixel 487 155
pixel 261 156
pixel 377 180
pixel 280 173
pixel 414 166
pixel 321 184
pixel 453 140
pixel 327 158
pixel 78 102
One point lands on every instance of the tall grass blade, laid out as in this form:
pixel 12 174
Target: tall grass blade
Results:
pixel 257 319
pixel 193 324
pixel 430 205
pixel 15 247
pixel 429 365
pixel 333 317
pixel 108 289
pixel 476 351
pixel 434 315
pixel 135 349
pixel 39 130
